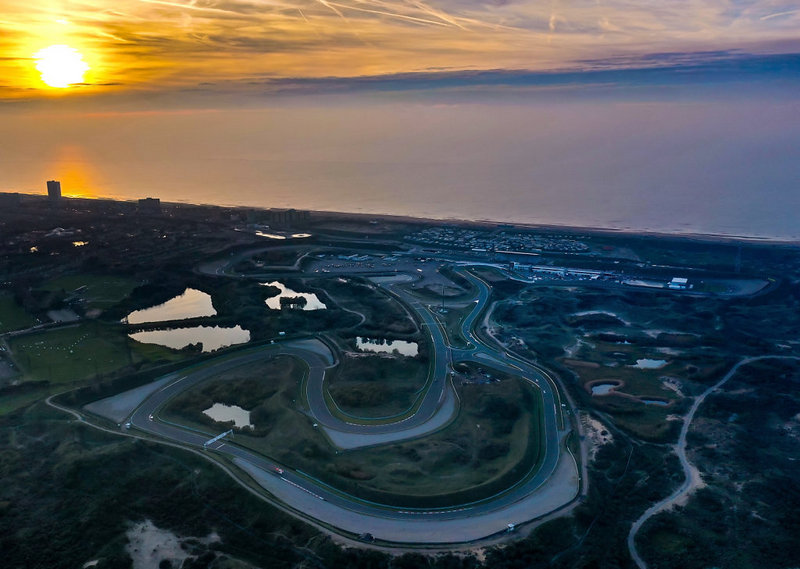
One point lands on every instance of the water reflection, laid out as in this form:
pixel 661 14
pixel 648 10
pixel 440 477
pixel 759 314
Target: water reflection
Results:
pixel 225 413
pixel 212 337
pixel 603 388
pixel 281 236
pixel 73 168
pixel 380 345
pixel 191 304
pixel 650 364
pixel 312 300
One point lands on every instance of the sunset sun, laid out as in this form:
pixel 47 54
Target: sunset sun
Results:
pixel 60 66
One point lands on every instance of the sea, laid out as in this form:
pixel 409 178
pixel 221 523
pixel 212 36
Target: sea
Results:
pixel 679 168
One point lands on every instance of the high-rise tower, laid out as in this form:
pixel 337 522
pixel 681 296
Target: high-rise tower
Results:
pixel 54 190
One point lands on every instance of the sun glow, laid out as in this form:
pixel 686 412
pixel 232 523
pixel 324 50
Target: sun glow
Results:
pixel 75 168
pixel 60 66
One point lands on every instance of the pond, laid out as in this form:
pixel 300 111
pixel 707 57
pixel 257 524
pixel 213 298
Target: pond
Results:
pixel 282 236
pixel 660 402
pixel 312 300
pixel 212 337
pixel 191 304
pixel 650 364
pixel 410 349
pixel 604 388
pixel 224 413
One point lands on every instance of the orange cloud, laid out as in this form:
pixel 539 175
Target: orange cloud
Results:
pixel 162 45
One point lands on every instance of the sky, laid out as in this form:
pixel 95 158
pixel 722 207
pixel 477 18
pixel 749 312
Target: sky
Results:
pixel 594 112
pixel 233 46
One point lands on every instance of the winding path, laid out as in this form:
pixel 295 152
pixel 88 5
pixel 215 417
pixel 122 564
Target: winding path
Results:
pixel 690 471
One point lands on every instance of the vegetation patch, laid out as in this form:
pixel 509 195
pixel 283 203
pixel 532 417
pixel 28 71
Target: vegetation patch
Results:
pixel 383 313
pixel 493 442
pixel 93 291
pixel 12 315
pixel 377 386
pixel 253 387
pixel 698 337
pixel 99 485
pixel 453 320
pixel 744 441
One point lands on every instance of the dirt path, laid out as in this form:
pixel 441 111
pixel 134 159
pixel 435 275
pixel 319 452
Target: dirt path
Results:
pixel 693 480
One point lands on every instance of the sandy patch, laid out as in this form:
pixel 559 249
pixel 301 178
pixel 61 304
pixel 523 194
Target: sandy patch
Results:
pixel 654 332
pixel 596 434
pixel 149 545
pixel 572 350
pixel 669 351
pixel 673 384
pixel 602 313
pixel 480 554
pixel 695 483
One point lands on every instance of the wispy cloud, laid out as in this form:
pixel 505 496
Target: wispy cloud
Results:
pixel 653 70
pixel 154 45
pixel 780 15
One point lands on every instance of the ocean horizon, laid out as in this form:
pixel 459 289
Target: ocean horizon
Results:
pixel 676 168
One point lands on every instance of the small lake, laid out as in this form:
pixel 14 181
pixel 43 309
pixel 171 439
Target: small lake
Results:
pixel 212 337
pixel 312 300
pixel 654 402
pixel 650 364
pixel 281 236
pixel 224 413
pixel 604 388
pixel 410 349
pixel 270 235
pixel 191 304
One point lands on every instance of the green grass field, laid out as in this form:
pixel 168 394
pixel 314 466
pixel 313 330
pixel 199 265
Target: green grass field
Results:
pixel 102 291
pixel 12 315
pixel 80 353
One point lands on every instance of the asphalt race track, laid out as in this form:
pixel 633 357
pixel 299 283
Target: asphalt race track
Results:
pixel 554 484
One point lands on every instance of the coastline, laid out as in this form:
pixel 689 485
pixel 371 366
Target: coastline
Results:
pixel 485 224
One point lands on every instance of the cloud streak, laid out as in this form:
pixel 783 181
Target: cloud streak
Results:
pixel 167 45
pixel 650 71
